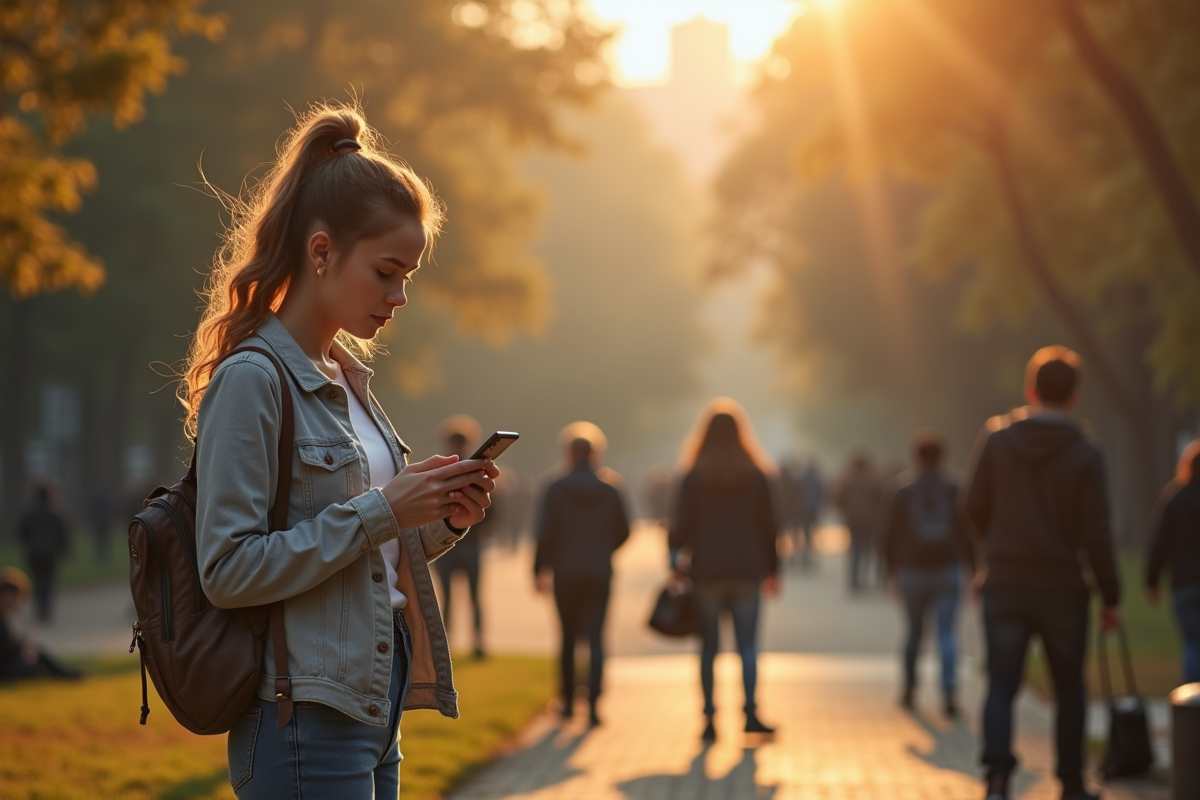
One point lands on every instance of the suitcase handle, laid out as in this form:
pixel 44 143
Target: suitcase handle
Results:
pixel 1126 663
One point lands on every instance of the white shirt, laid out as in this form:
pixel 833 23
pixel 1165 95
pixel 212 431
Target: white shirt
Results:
pixel 382 468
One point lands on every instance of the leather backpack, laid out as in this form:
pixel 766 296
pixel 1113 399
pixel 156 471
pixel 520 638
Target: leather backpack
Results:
pixel 205 662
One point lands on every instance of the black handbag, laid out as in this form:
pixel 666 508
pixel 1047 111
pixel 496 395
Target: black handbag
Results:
pixel 675 612
pixel 1129 751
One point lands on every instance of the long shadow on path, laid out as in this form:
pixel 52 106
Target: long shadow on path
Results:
pixel 956 748
pixel 740 783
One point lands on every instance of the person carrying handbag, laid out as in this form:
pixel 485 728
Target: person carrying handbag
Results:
pixel 1037 500
pixel 723 539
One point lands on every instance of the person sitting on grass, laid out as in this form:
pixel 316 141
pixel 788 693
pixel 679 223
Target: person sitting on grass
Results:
pixel 20 657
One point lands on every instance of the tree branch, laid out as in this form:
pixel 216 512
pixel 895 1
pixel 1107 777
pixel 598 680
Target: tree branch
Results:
pixel 996 146
pixel 1147 135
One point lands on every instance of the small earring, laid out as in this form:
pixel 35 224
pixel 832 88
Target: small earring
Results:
pixel 321 271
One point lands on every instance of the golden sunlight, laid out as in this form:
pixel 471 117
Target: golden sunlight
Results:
pixel 642 52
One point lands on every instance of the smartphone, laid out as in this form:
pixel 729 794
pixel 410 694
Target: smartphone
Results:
pixel 496 444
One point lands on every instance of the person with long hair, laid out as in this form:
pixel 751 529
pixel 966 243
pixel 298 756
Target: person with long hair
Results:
pixel 723 539
pixel 316 262
pixel 1175 545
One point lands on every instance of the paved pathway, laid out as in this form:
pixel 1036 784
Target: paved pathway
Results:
pixel 828 680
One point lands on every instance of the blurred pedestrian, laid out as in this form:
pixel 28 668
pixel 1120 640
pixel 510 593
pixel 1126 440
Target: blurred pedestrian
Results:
pixel 859 493
pixel 460 436
pixel 925 548
pixel 20 657
pixel 723 539
pixel 790 503
pixel 812 496
pixel 102 507
pixel 42 533
pixel 1038 500
pixel 1175 546
pixel 582 520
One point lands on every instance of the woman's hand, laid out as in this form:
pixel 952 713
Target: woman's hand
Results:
pixel 437 488
pixel 471 504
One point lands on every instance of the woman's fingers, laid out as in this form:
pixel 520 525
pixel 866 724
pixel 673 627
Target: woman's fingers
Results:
pixel 477 495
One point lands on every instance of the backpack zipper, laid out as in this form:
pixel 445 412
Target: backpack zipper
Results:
pixel 198 591
pixel 166 579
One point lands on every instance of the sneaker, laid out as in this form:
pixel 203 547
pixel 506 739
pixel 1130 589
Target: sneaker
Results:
pixel 950 707
pixel 997 788
pixel 566 711
pixel 710 732
pixel 593 717
pixel 1079 794
pixel 756 725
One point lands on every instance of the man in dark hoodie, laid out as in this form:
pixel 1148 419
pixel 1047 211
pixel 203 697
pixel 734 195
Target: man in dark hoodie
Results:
pixel 581 523
pixel 1038 502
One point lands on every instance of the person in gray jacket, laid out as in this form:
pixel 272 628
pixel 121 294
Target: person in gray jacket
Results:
pixel 316 264
pixel 581 523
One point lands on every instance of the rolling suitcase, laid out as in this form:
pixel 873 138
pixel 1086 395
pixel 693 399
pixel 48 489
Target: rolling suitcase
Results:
pixel 1128 752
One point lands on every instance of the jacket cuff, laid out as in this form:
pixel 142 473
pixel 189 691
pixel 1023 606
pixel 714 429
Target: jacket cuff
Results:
pixel 378 521
pixel 458 533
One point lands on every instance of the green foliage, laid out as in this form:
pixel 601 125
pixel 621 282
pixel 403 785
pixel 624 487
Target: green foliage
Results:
pixel 92 747
pixel 60 62
pixel 919 94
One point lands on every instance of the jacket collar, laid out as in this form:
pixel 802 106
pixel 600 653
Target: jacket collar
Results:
pixel 307 376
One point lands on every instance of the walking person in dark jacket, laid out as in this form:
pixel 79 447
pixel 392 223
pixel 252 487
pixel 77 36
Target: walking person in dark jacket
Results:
pixel 1175 545
pixel 724 539
pixel 925 548
pixel 460 436
pixel 43 535
pixel 1038 500
pixel 581 523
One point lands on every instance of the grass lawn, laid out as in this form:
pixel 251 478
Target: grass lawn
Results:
pixel 82 740
pixel 82 566
pixel 1153 641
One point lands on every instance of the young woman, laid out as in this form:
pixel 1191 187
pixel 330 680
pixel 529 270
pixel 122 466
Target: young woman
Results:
pixel 316 263
pixel 1175 545
pixel 723 539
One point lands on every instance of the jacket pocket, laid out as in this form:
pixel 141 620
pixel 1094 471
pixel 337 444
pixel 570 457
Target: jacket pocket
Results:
pixel 242 738
pixel 332 473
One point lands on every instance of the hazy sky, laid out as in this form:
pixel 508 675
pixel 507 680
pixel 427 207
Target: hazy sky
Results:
pixel 642 52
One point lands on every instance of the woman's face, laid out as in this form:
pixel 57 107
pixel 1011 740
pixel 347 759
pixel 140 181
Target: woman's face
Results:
pixel 360 291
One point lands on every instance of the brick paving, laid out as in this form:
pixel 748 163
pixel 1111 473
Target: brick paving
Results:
pixel 841 737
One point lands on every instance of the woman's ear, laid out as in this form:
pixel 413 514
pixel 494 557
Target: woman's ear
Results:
pixel 319 250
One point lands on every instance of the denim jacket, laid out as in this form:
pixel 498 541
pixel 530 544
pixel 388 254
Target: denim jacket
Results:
pixel 326 565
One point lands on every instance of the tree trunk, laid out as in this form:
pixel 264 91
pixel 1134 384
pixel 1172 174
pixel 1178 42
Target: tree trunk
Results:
pixel 1147 136
pixel 13 422
pixel 1089 345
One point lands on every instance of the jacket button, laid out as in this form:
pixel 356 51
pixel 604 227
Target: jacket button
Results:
pixel 331 394
pixel 383 647
pixel 373 710
pixel 377 576
pixel 328 458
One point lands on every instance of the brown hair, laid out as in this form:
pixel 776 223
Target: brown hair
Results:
pixel 929 446
pixel 1189 463
pixel 1053 372
pixel 355 193
pixel 722 449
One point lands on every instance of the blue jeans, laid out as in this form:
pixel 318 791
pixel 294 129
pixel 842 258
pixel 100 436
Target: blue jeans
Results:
pixel 741 600
pixel 1059 618
pixel 321 754
pixel 936 588
pixel 1187 615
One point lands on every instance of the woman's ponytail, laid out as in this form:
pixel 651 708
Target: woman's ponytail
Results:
pixel 329 168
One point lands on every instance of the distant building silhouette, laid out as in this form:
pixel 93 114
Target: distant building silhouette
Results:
pixel 694 113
